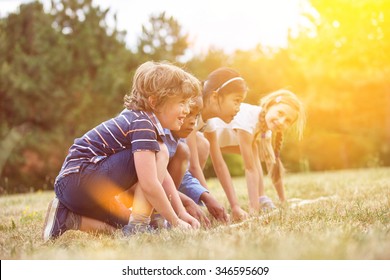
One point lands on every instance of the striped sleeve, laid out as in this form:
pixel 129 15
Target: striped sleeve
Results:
pixel 143 136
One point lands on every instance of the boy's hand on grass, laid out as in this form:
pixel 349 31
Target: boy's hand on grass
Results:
pixel 190 220
pixel 215 209
pixel 180 224
pixel 195 211
pixel 239 214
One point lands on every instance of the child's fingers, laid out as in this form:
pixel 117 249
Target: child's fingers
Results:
pixel 240 215
pixel 222 216
pixel 226 218
pixel 205 221
pixel 195 224
pixel 183 225
pixel 198 214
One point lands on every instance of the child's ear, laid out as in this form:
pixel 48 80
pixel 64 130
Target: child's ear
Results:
pixel 214 97
pixel 152 102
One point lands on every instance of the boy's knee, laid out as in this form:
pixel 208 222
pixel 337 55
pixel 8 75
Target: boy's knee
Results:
pixel 203 143
pixel 182 152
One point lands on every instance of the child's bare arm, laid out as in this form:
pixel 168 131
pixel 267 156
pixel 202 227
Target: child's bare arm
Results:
pixel 248 153
pixel 150 178
pixel 223 175
pixel 194 210
pixel 215 209
pixel 173 195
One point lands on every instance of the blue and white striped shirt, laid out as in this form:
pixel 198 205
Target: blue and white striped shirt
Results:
pixel 130 130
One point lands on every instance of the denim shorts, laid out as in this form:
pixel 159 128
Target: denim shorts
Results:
pixel 92 191
pixel 191 187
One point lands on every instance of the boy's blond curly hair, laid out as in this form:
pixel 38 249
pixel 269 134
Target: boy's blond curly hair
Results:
pixel 161 80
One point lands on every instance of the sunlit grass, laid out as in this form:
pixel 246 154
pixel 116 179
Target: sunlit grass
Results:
pixel 354 224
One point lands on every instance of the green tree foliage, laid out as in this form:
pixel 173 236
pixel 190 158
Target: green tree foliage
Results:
pixel 162 39
pixel 94 63
pixel 203 64
pixel 61 73
pixel 266 70
pixel 27 67
pixel 344 59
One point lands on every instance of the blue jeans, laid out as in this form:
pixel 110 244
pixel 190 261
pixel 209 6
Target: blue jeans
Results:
pixel 92 191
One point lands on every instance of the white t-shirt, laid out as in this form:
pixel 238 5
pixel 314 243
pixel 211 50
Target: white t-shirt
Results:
pixel 246 119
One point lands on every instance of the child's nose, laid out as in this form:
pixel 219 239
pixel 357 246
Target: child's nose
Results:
pixel 192 121
pixel 282 123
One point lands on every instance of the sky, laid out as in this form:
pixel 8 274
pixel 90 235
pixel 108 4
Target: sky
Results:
pixel 223 24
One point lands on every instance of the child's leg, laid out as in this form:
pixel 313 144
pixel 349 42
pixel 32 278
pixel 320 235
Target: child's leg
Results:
pixel 126 197
pixel 91 195
pixel 92 192
pixel 141 205
pixel 60 219
pixel 141 208
pixel 203 148
pixel 141 211
pixel 118 206
pixel 178 164
pixel 92 225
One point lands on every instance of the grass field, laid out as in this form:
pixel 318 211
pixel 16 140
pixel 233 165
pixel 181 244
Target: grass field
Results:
pixel 353 224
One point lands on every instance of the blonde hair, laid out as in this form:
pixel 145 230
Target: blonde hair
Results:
pixel 162 80
pixel 270 153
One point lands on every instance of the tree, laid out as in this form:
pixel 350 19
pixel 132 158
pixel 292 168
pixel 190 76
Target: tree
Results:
pixel 344 58
pixel 162 39
pixel 27 66
pixel 26 70
pixel 95 63
pixel 202 65
pixel 60 74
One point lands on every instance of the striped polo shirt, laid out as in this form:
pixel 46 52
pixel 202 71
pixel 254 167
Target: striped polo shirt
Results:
pixel 171 142
pixel 130 130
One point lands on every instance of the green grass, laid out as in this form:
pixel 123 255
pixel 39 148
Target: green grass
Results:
pixel 353 225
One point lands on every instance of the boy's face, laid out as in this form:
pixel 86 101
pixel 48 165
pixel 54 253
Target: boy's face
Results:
pixel 190 121
pixel 173 112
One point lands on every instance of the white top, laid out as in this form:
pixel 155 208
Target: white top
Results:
pixel 246 119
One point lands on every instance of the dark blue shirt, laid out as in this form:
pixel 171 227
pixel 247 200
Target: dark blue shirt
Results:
pixel 131 130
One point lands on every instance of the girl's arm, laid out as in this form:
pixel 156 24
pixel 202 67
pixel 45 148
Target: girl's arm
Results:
pixel 248 153
pixel 195 167
pixel 223 175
